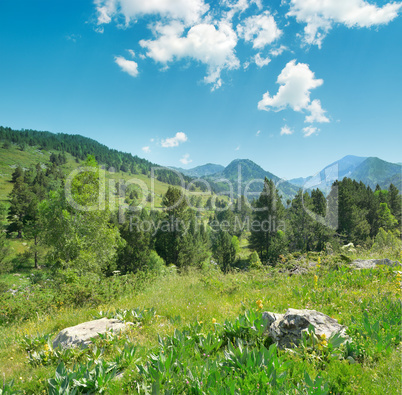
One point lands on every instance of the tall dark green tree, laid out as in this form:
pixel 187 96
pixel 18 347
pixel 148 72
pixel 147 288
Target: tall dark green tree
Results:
pixel 266 236
pixel 394 203
pixel 224 251
pixel 301 223
pixel 175 216
pixel 20 204
pixel 134 254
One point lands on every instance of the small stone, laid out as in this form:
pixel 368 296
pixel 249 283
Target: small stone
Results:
pixel 372 263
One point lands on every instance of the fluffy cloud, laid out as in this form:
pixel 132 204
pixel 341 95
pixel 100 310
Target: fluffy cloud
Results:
pixel 260 61
pixel 261 30
pixel 278 51
pixel 309 131
pixel 319 16
pixel 128 66
pixel 186 159
pixel 238 6
pixel 296 82
pixel 317 113
pixel 286 130
pixel 188 11
pixel 147 150
pixel 204 43
pixel 180 137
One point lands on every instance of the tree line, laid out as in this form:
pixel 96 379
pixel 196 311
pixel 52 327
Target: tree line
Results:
pixel 95 242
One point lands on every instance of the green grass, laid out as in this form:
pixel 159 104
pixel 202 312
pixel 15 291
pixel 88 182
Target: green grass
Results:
pixel 367 301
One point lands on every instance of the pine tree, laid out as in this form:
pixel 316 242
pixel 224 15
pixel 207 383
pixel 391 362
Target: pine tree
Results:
pixel 268 213
pixel 20 202
pixel 224 251
pixel 175 215
pixel 394 202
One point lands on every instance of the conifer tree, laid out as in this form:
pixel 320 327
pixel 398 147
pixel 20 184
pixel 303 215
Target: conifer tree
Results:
pixel 266 238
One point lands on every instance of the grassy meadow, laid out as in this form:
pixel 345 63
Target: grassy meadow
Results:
pixel 199 332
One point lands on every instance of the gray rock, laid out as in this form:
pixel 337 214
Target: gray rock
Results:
pixel 81 335
pixel 298 271
pixel 270 318
pixel 372 263
pixel 287 329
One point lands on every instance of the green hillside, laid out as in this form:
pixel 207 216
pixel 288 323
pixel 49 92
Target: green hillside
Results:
pixel 375 171
pixel 12 156
pixel 201 171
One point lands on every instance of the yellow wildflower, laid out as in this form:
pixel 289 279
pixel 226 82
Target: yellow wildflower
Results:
pixel 213 320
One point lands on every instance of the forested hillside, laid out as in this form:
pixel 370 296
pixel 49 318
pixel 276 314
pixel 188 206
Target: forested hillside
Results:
pixel 80 147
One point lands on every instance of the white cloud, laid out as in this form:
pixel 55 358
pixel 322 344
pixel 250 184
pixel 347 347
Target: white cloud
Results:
pixel 128 66
pixel 147 150
pixel 296 82
pixel 278 51
pixel 188 11
pixel 237 148
pixel 258 133
pixel 186 159
pixel 180 137
pixel 131 52
pixel 285 130
pixel 238 6
pixel 310 130
pixel 260 61
pixel 319 16
pixel 204 43
pixel 261 30
pixel 317 113
pixel 152 140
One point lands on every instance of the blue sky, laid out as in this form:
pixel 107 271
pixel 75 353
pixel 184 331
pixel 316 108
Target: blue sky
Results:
pixel 291 85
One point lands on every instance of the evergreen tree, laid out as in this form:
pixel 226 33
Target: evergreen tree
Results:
pixel 301 223
pixel 224 251
pixel 20 203
pixel 394 202
pixel 175 216
pixel 268 213
pixel 134 254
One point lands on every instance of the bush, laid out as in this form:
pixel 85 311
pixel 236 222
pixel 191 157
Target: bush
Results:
pixel 387 242
pixel 254 261
pixel 155 263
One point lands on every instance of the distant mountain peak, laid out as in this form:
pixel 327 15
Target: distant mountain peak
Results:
pixel 369 170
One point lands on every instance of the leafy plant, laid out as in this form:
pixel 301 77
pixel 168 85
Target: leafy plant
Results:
pixel 89 378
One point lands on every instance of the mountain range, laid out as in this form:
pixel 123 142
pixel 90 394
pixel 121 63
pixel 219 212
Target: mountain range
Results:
pixel 369 170
pixel 238 175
